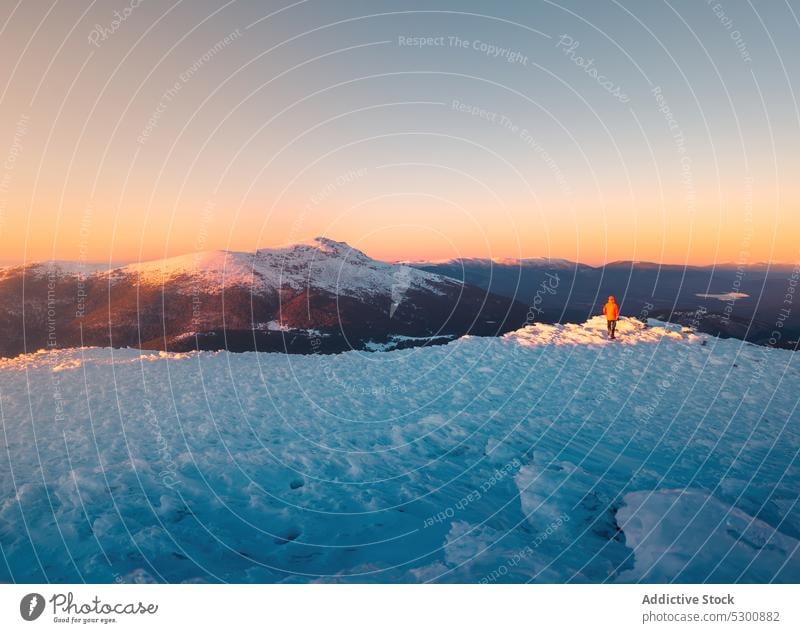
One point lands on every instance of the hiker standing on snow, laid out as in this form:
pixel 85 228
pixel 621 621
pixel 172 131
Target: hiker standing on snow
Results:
pixel 611 310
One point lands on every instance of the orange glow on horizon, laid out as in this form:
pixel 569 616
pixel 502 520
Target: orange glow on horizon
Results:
pixel 707 244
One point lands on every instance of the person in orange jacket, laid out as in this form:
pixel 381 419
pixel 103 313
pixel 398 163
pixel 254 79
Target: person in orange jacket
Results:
pixel 611 310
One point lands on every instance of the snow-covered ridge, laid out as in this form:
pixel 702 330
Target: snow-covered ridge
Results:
pixel 591 333
pixel 322 263
pixel 56 266
pixel 526 262
pixel 207 269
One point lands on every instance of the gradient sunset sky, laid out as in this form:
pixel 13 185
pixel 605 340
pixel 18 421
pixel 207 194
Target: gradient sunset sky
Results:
pixel 592 131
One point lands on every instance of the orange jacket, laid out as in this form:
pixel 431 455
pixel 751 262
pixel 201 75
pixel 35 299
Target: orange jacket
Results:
pixel 611 310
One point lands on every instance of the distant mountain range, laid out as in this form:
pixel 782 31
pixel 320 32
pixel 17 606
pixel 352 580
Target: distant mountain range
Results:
pixel 322 296
pixel 749 302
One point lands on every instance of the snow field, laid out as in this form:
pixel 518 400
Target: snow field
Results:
pixel 547 455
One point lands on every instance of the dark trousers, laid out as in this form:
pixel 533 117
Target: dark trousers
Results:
pixel 612 327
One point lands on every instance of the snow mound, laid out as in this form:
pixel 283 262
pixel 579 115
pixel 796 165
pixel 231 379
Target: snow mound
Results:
pixel 594 332
pixel 689 536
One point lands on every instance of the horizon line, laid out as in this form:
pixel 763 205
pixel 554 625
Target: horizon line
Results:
pixel 497 260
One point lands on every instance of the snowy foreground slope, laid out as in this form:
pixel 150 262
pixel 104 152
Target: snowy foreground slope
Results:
pixel 548 455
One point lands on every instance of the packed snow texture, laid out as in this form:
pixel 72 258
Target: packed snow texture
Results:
pixel 548 455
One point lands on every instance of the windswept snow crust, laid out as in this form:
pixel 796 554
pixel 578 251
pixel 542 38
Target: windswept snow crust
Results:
pixel 681 534
pixel 548 455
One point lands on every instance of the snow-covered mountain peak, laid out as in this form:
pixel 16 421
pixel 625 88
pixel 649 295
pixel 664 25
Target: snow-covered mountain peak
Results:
pixel 317 248
pixel 319 264
pixel 337 249
pixel 338 268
